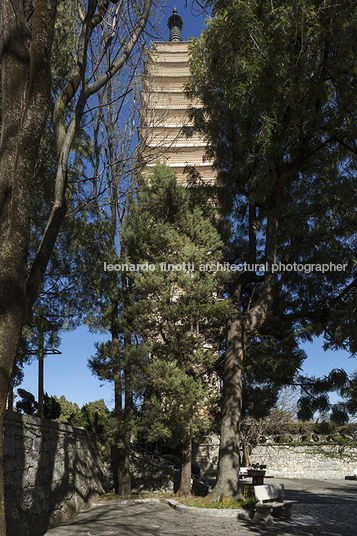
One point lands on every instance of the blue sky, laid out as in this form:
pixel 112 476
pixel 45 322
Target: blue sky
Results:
pixel 69 375
pixel 192 24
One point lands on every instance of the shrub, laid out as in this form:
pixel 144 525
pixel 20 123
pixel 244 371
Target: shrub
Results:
pixel 283 439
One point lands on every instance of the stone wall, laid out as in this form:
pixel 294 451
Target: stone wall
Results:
pixel 145 475
pixel 319 461
pixel 51 471
pixel 205 454
pixel 309 461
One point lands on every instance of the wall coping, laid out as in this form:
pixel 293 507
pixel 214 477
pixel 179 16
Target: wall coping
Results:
pixel 15 416
pixel 297 441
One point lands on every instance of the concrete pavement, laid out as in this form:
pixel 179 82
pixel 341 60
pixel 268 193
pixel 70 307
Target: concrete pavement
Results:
pixel 325 507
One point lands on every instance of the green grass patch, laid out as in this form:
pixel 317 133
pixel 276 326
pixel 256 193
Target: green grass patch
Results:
pixel 107 497
pixel 192 500
pixel 226 502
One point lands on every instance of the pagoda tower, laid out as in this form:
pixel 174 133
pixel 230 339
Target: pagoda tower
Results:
pixel 164 109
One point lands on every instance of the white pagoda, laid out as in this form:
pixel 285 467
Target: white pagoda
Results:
pixel 164 109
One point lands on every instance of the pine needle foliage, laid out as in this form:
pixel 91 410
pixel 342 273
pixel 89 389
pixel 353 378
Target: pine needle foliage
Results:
pixel 179 308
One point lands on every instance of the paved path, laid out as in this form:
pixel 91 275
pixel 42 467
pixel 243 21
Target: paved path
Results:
pixel 325 507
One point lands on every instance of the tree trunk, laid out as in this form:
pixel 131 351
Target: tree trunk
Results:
pixel 122 442
pixel 185 483
pixel 40 372
pixel 228 470
pixel 10 397
pixel 25 86
pixel 123 414
pixel 2 493
pixel 124 468
pixel 124 481
pixel 246 449
pixel 121 457
pixel 123 464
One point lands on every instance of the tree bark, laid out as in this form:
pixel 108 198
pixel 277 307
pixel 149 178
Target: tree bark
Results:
pixel 123 413
pixel 25 48
pixel 123 464
pixel 118 406
pixel 124 481
pixel 241 323
pixel 186 462
pixel 10 397
pixel 246 450
pixel 228 469
pixel 40 372
pixel 2 494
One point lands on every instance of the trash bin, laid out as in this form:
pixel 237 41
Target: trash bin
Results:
pixel 248 491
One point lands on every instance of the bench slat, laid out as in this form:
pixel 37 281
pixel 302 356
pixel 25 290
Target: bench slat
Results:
pixel 265 503
pixel 267 492
pixel 269 504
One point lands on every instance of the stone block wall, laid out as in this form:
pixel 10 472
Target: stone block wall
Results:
pixel 206 456
pixel 51 471
pixel 145 475
pixel 318 461
pixel 322 462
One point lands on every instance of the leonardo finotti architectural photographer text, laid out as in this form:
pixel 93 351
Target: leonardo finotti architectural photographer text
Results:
pixel 306 268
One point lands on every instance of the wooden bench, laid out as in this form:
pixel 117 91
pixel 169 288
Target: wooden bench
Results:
pixel 268 498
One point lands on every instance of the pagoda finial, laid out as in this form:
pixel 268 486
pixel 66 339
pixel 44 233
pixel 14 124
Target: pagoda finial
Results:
pixel 175 24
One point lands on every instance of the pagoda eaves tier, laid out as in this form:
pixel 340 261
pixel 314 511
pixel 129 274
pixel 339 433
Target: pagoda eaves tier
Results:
pixel 164 114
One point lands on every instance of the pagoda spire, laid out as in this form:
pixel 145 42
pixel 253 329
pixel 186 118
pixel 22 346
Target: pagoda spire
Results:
pixel 175 24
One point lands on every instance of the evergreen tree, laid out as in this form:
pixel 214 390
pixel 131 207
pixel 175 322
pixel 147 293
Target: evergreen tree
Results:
pixel 28 405
pixel 67 409
pixel 175 248
pixel 277 82
pixel 115 162
pixel 95 417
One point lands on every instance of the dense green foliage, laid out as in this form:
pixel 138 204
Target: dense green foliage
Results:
pixel 171 317
pixel 278 84
pixel 181 317
pixel 29 406
pixel 67 409
pixel 309 430
pixel 273 360
pixel 179 309
pixel 93 416
pixel 278 87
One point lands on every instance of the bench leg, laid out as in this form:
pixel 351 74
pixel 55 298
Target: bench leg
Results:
pixel 263 515
pixel 287 511
pixel 283 511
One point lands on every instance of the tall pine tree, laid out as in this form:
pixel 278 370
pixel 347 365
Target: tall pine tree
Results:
pixel 178 301
pixel 277 83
